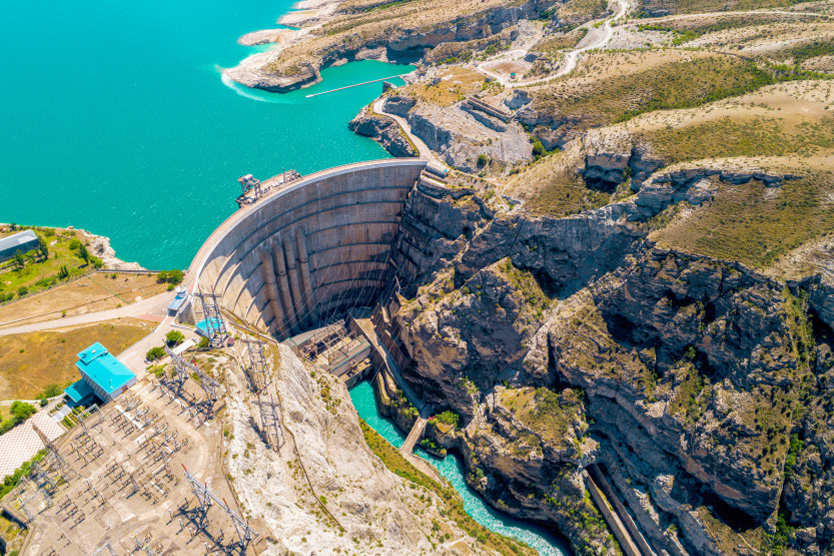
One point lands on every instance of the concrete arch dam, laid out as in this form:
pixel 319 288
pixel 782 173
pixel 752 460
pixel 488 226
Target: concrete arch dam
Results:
pixel 310 249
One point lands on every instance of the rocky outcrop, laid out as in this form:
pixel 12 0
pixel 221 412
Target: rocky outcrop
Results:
pixel 254 73
pixel 398 42
pixel 460 137
pixel 689 371
pixel 326 463
pixel 99 246
pixel 519 98
pixel 384 131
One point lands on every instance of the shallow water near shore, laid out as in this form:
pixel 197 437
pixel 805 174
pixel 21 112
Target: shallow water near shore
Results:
pixel 451 468
pixel 115 119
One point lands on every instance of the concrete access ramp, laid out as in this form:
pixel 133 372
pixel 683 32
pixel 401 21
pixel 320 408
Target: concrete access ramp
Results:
pixel 310 248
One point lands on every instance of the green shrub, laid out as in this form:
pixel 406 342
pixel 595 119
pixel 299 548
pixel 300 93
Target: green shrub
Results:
pixel 448 418
pixel 174 338
pixel 155 353
pixel 170 276
pixel 203 343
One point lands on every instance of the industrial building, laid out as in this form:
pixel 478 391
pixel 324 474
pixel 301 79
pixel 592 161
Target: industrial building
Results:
pixel 23 241
pixel 102 376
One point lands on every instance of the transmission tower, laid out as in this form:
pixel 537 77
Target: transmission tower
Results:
pixel 59 463
pixel 181 370
pixel 257 372
pixel 215 327
pixel 271 423
pixel 184 369
pixel 206 499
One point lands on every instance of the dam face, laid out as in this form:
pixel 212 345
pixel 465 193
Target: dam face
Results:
pixel 311 249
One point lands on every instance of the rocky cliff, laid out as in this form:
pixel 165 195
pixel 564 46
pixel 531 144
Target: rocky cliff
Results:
pixel 324 491
pixel 699 385
pixel 384 131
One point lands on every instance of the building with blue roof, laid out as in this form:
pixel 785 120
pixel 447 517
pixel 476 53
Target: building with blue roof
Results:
pixel 102 376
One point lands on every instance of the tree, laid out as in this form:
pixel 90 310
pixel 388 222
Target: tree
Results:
pixel 43 248
pixel 482 160
pixel 83 253
pixel 171 276
pixel 63 273
pixel 18 260
pixel 22 411
pixel 174 338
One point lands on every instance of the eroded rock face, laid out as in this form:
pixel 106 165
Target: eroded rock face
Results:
pixel 682 375
pixel 460 136
pixel 384 131
pixel 325 445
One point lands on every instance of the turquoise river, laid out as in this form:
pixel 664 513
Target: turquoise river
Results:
pixel 452 469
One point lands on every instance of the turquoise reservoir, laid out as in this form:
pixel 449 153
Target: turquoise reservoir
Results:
pixel 115 118
pixel 452 469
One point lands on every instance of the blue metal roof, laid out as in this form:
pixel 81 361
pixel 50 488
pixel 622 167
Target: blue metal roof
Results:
pixel 103 369
pixel 79 391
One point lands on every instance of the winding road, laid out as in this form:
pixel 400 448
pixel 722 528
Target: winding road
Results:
pixel 591 41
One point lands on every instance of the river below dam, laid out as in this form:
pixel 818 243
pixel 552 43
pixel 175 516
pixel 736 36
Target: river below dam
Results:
pixel 115 119
pixel 452 470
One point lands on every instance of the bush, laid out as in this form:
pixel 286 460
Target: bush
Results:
pixel 538 149
pixel 449 418
pixel 155 353
pixel 174 338
pixel 203 343
pixel 483 160
pixel 51 390
pixel 44 402
pixel 23 290
pixel 22 410
pixel 170 276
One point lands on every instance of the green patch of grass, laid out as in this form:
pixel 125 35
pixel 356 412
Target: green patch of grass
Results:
pixel 805 52
pixel 674 85
pixel 560 192
pixel 703 6
pixel 743 223
pixel 730 138
pixel 560 41
pixel 395 461
pixel 687 30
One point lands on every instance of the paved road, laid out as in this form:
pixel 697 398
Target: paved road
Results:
pixel 422 149
pixel 593 40
pixel 156 305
